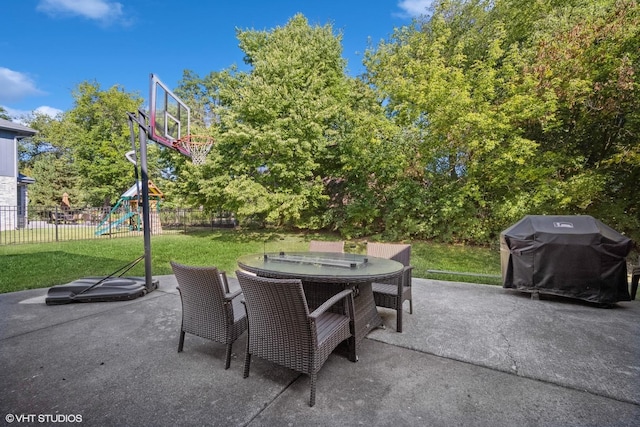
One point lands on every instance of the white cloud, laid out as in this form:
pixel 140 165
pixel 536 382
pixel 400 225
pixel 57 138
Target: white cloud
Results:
pixel 13 113
pixel 23 117
pixel 98 10
pixel 415 8
pixel 48 111
pixel 15 86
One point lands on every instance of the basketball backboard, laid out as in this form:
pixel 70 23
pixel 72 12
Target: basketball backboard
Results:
pixel 169 116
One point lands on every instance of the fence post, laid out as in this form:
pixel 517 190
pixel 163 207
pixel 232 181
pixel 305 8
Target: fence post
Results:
pixel 55 222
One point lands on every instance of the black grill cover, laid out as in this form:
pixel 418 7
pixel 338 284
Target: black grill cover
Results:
pixel 572 256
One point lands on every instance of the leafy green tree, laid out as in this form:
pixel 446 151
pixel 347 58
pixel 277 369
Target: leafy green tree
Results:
pixel 586 61
pixel 4 114
pixel 279 125
pixel 367 193
pixel 49 163
pixel 442 86
pixel 100 138
pixel 55 176
pixel 31 148
pixel 88 144
pixel 507 112
pixel 465 121
pixel 202 97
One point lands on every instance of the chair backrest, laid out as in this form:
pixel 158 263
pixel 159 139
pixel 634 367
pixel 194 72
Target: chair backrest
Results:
pixel 278 318
pixel 326 246
pixel 203 308
pixel 395 251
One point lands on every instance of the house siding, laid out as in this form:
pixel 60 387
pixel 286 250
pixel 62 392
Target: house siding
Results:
pixel 9 188
pixel 8 150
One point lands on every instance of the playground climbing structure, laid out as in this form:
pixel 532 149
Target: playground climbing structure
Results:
pixel 126 214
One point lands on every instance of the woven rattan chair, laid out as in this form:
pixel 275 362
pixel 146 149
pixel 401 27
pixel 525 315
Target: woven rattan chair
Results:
pixel 393 293
pixel 282 331
pixel 209 310
pixel 324 246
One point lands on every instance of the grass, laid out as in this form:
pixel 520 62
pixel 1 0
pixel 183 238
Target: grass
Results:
pixel 62 233
pixel 33 235
pixel 46 264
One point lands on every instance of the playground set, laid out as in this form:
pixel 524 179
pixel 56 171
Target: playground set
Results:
pixel 127 212
pixel 167 123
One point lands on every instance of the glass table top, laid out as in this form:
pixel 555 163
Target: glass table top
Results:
pixel 321 266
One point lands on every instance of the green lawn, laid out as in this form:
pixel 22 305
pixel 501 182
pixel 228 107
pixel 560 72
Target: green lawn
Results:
pixel 31 266
pixel 47 234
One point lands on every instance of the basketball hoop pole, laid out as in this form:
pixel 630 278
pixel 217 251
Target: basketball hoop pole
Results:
pixel 141 120
pixel 160 126
pixel 146 223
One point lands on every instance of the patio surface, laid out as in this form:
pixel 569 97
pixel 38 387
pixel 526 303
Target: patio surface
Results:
pixel 470 355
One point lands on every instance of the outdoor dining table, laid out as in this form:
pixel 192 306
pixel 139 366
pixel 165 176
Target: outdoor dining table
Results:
pixel 324 274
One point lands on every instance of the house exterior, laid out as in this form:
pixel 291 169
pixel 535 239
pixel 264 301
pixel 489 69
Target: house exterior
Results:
pixel 13 185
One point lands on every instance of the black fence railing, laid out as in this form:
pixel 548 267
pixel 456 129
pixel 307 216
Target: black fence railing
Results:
pixel 55 224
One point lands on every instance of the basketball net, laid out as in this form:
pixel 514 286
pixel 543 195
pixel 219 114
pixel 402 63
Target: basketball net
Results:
pixel 197 146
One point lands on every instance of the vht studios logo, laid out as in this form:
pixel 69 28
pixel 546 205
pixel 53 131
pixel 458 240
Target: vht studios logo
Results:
pixel 43 418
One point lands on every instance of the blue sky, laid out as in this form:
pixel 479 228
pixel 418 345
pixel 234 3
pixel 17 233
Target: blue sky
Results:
pixel 47 47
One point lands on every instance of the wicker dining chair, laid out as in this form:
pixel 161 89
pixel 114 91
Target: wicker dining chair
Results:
pixel 326 246
pixel 284 332
pixel 393 293
pixel 209 310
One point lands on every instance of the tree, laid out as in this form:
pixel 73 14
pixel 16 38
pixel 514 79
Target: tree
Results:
pixel 515 117
pixel 202 95
pixel 32 148
pixel 4 114
pixel 55 176
pixel 51 165
pixel 90 141
pixel 279 126
pixel 443 87
pixel 587 60
pixel 370 192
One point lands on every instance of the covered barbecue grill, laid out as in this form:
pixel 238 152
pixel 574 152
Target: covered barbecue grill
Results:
pixel 571 256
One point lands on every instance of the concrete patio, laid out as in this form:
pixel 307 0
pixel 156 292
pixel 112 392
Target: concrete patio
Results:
pixel 470 355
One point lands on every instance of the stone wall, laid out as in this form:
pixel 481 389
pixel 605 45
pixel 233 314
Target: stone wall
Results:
pixel 8 197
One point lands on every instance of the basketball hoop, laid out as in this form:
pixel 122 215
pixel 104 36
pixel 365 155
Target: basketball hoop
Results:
pixel 197 146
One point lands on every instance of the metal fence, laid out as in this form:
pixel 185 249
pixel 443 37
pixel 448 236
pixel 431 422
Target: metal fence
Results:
pixel 54 224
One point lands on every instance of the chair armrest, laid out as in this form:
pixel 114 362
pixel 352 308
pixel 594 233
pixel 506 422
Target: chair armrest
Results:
pixel 330 302
pixel 231 295
pixel 225 282
pixel 405 278
pixel 407 271
pixel 228 296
